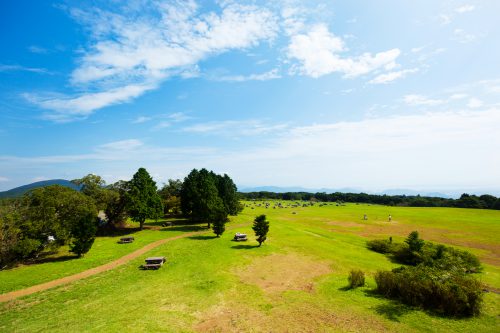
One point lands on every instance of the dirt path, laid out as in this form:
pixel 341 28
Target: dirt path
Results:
pixel 96 270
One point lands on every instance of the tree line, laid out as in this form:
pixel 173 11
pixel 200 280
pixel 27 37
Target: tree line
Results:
pixel 47 218
pixel 485 201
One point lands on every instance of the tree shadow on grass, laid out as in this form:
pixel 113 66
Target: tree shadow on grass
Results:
pixel 391 309
pixel 244 247
pixel 117 232
pixel 185 228
pixel 46 259
pixel 203 237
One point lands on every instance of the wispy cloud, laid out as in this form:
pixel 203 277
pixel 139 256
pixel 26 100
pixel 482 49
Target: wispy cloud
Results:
pixel 234 128
pixel 4 179
pixel 133 49
pixel 318 53
pixel 420 100
pixel 392 76
pixel 270 75
pixel 37 49
pixel 15 68
pixel 465 9
pixel 462 36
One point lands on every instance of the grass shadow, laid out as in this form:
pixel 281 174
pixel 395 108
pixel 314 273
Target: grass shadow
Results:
pixel 244 247
pixel 202 237
pixel 117 232
pixel 393 310
pixel 185 228
pixel 47 259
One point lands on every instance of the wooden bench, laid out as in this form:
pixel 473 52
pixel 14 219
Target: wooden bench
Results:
pixel 154 262
pixel 240 237
pixel 125 240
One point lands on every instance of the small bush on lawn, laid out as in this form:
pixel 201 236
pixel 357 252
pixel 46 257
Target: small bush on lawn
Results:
pixel 380 245
pixel 356 279
pixel 444 292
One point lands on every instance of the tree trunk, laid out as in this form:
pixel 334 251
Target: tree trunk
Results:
pixel 141 223
pixel 208 226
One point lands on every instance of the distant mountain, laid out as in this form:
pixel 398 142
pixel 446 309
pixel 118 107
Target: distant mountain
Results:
pixel 19 191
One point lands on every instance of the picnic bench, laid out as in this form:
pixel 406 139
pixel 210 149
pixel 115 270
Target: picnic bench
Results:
pixel 154 262
pixel 240 237
pixel 125 240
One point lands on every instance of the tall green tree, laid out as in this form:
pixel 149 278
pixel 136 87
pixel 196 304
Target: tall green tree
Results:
pixel 94 186
pixel 83 234
pixel 200 199
pixel 228 193
pixel 414 242
pixel 261 228
pixel 143 200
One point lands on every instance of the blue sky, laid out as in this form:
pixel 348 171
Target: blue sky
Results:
pixel 319 94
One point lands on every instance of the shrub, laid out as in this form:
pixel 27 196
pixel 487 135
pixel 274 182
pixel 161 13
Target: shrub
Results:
pixel 444 292
pixel 356 279
pixel 380 245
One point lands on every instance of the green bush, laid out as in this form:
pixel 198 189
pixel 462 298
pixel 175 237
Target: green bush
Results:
pixel 380 245
pixel 444 292
pixel 356 279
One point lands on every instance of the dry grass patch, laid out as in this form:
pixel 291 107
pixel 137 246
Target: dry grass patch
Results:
pixel 281 318
pixel 280 272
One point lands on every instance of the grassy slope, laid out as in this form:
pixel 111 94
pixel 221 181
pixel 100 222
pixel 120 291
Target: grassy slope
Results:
pixel 104 250
pixel 200 282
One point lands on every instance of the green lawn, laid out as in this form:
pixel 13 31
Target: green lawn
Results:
pixel 211 284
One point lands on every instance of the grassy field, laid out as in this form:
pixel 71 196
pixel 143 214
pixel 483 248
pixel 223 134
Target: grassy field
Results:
pixel 295 282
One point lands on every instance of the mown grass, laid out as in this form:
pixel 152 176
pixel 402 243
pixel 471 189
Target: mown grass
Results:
pixel 64 263
pixel 199 288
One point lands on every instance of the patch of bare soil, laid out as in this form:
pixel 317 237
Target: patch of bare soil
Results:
pixel 303 317
pixel 280 272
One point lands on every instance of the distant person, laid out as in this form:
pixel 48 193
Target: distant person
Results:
pixel 390 217
pixel 365 217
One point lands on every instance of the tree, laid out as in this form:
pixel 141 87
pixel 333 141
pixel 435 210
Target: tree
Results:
pixel 200 198
pixel 171 196
pixel 143 200
pixel 83 233
pixel 415 244
pixel 116 208
pixel 93 186
pixel 261 228
pixel 228 193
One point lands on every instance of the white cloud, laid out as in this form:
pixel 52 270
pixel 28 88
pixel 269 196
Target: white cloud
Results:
pixel 318 54
pixel 392 76
pixel 475 103
pixel 4 179
pixel 37 49
pixel 70 108
pixel 270 75
pixel 445 19
pixel 15 68
pixel 463 37
pixel 420 100
pixel 135 49
pixel 235 128
pixel 122 145
pixel 141 119
pixel 465 9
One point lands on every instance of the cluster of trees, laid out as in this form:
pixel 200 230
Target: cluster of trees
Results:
pixel 45 219
pixel 208 197
pixel 485 201
pixel 437 277
pixel 49 217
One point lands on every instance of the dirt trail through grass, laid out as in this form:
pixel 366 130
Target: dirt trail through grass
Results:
pixel 96 270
